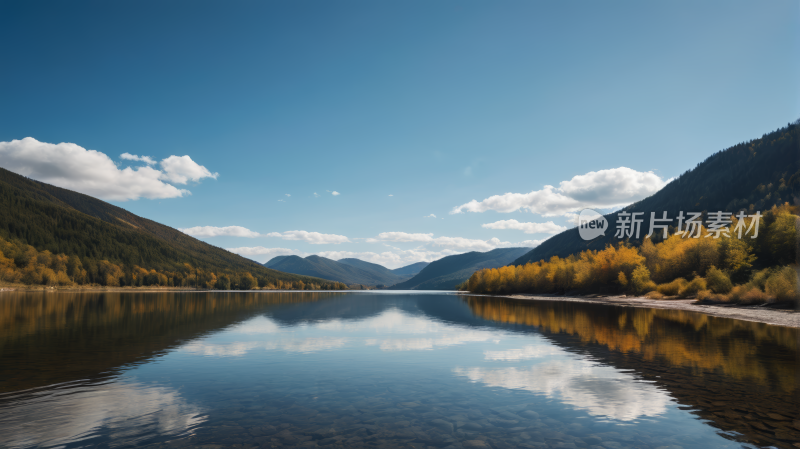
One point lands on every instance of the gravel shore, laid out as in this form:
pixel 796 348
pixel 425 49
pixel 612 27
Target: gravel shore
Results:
pixel 759 314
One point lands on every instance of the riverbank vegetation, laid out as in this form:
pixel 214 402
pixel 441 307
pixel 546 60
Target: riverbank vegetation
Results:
pixel 725 269
pixel 23 264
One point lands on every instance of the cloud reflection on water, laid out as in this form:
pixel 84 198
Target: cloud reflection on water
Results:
pixel 388 321
pixel 422 344
pixel 526 353
pixel 306 345
pixel 556 373
pixel 392 321
pixel 127 411
pixel 600 390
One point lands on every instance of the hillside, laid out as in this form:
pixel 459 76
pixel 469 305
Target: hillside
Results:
pixel 751 176
pixel 410 270
pixel 61 221
pixel 388 277
pixel 353 271
pixel 447 272
pixel 275 260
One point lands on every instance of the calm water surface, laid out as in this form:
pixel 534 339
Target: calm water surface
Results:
pixel 399 369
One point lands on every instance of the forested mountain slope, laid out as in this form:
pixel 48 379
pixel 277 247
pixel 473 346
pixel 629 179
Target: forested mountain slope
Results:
pixel 751 176
pixel 62 221
pixel 274 261
pixel 379 272
pixel 410 270
pixel 447 272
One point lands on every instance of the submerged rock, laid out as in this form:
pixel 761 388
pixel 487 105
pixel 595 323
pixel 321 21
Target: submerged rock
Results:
pixel 475 444
pixel 442 425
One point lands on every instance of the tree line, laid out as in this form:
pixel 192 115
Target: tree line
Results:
pixel 21 263
pixel 726 269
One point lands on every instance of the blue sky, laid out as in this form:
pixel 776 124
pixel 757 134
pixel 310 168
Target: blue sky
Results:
pixel 434 103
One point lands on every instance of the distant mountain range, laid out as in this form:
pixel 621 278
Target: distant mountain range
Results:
pixel 447 272
pixel 443 274
pixel 380 270
pixel 62 221
pixel 349 271
pixel 410 270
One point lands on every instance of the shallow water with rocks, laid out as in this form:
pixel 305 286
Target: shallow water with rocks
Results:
pixel 386 369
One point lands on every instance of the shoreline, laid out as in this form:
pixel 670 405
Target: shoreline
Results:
pixel 85 289
pixel 27 289
pixel 758 314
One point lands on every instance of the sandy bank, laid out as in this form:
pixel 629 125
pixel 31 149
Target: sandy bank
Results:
pixel 759 314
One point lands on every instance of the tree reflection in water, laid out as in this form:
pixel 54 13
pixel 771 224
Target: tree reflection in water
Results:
pixel 740 375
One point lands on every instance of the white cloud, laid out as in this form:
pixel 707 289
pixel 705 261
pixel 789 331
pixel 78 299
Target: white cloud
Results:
pixel 528 243
pixel 401 237
pixel 316 195
pixel 250 251
pixel 598 189
pixel 391 194
pixel 315 238
pixel 182 169
pixel 288 194
pixel 391 259
pixel 132 157
pixel 453 243
pixel 90 172
pixel 335 193
pixel 213 231
pixel 528 228
pixel 572 218
pixel 430 216
pixel 464 244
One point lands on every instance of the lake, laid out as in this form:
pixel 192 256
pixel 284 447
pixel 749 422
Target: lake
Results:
pixel 386 369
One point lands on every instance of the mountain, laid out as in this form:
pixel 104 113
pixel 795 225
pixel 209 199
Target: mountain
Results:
pixel 410 270
pixel 388 277
pixel 447 272
pixel 349 271
pixel 751 176
pixel 275 260
pixel 62 221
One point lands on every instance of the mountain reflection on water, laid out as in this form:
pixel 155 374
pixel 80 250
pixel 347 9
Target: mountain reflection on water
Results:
pixel 388 369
